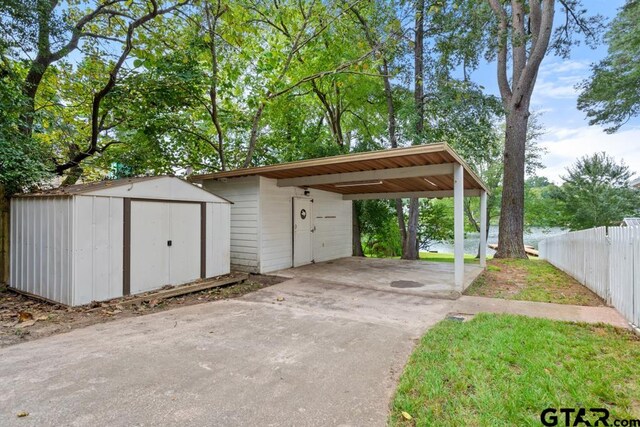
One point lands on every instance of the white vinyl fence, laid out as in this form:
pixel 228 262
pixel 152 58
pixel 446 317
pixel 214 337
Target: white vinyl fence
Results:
pixel 605 260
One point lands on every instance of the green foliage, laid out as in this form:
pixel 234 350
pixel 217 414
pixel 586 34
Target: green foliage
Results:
pixel 611 95
pixel 379 228
pixel 542 204
pixel 596 192
pixel 23 160
pixel 435 222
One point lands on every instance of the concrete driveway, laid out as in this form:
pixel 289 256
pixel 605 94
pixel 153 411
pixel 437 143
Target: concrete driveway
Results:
pixel 303 352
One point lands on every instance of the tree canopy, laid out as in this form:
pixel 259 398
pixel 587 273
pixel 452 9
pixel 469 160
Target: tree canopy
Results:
pixel 596 192
pixel 611 97
pixel 110 88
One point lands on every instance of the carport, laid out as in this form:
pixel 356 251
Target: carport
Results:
pixel 425 171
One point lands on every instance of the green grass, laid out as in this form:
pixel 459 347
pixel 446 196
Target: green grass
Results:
pixel 442 257
pixel 445 257
pixel 503 370
pixel 530 280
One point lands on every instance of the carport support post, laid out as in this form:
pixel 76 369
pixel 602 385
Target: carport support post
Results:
pixel 483 228
pixel 458 226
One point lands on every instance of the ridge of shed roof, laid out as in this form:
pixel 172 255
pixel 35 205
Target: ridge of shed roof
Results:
pixel 77 189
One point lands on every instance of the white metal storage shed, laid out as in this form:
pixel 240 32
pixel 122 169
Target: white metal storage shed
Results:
pixel 97 241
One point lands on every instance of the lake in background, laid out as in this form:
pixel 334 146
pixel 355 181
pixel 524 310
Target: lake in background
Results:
pixel 471 240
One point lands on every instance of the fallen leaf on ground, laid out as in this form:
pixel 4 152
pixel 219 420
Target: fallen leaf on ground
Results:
pixel 23 316
pixel 22 414
pixel 280 299
pixel 406 415
pixel 154 302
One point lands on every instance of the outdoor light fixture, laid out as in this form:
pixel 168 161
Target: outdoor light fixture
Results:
pixel 431 182
pixel 358 184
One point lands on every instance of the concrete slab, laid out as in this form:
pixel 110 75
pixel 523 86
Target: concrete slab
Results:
pixel 421 278
pixel 305 352
pixel 569 313
pixel 298 353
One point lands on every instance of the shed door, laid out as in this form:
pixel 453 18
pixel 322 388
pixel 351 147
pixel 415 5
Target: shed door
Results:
pixel 184 253
pixel 165 244
pixel 302 231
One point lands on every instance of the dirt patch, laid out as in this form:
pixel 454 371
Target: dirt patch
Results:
pixel 531 280
pixel 25 319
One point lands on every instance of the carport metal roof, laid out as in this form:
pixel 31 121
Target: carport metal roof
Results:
pixel 418 171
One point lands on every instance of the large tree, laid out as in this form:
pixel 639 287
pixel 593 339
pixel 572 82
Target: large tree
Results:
pixel 525 29
pixel 611 96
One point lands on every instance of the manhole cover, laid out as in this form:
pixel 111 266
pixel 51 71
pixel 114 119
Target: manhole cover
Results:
pixel 406 284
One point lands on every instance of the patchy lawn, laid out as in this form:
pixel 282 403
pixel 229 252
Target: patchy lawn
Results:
pixel 446 257
pixel 531 280
pixel 503 370
pixel 440 257
pixel 24 319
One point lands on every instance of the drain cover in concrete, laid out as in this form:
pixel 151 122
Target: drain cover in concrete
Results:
pixel 406 284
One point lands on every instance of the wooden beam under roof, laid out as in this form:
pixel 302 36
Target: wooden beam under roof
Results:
pixel 408 195
pixel 381 174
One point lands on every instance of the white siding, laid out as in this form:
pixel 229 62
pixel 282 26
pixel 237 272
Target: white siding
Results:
pixel 243 192
pixel 276 231
pixel 331 216
pixel 98 249
pixel 41 247
pixel 218 239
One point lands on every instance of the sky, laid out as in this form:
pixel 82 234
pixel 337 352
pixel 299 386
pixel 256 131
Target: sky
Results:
pixel 568 135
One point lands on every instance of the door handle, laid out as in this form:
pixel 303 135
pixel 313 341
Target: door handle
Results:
pixel 169 242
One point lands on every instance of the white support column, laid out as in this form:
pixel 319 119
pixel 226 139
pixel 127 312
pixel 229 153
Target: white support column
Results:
pixel 458 226
pixel 483 229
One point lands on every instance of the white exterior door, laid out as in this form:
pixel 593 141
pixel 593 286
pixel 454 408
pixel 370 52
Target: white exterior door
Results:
pixel 165 244
pixel 302 231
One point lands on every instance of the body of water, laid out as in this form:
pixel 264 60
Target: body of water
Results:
pixel 471 240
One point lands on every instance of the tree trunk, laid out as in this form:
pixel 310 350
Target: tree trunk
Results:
pixel 253 139
pixel 510 237
pixel 410 245
pixel 357 240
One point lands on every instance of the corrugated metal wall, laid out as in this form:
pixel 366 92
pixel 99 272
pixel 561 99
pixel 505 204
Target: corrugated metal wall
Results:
pixel 42 247
pixel 70 249
pixel 98 248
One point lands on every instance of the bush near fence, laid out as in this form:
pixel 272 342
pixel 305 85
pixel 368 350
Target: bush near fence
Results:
pixel 605 260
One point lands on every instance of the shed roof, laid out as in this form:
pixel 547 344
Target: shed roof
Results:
pixel 424 169
pixel 88 187
pixel 160 187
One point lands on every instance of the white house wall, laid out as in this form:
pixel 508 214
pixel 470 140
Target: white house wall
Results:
pixel 218 239
pixel 41 247
pixel 331 216
pixel 98 248
pixel 243 192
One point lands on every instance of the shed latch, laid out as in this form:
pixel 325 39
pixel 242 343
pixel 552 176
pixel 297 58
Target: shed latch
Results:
pixel 169 243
